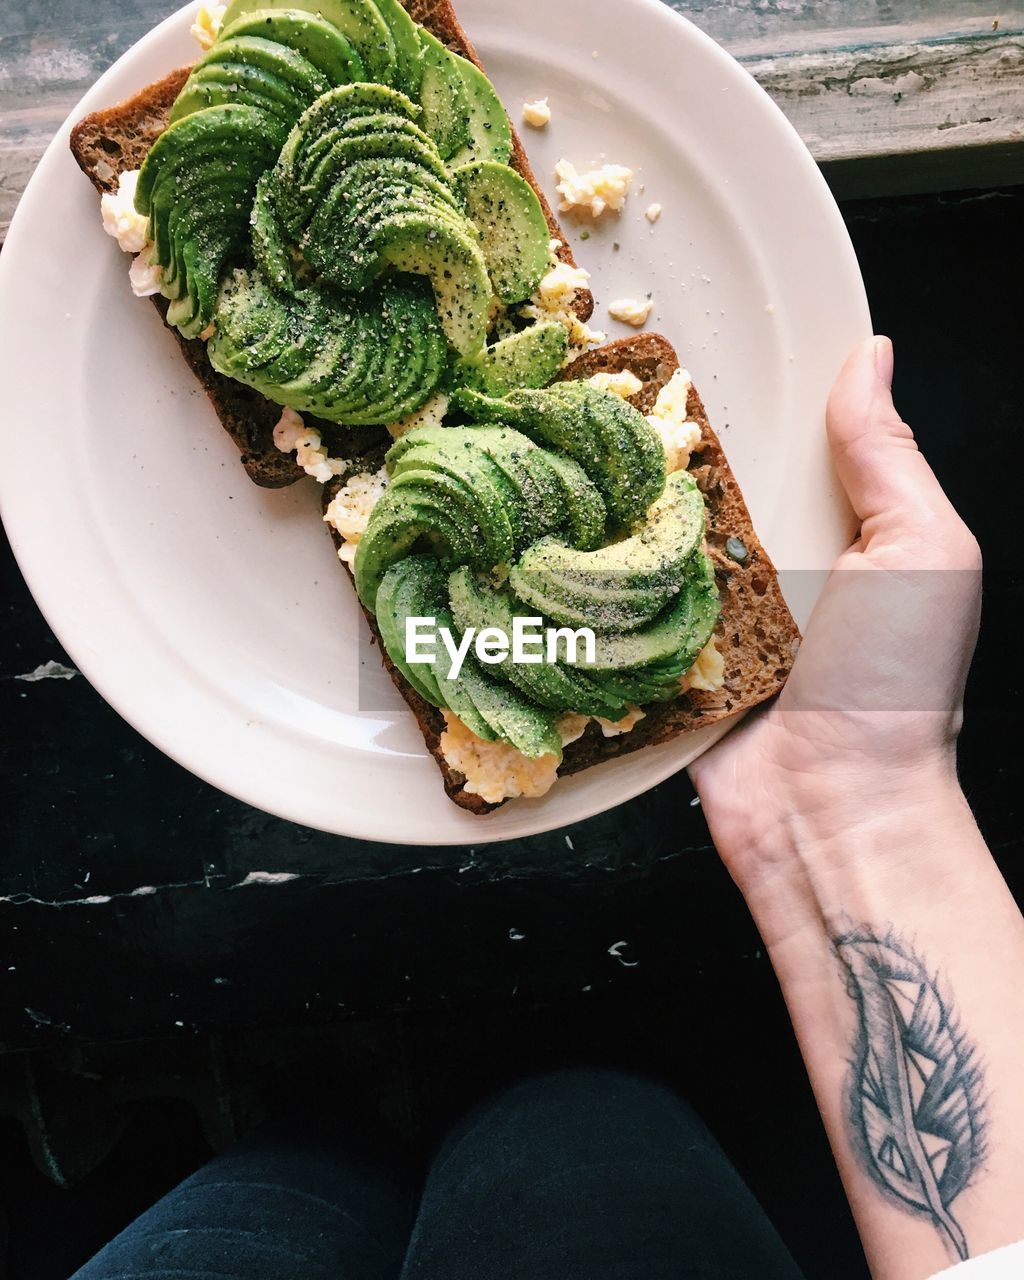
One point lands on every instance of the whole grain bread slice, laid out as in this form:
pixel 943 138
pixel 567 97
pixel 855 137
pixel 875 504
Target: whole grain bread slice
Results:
pixel 109 142
pixel 756 633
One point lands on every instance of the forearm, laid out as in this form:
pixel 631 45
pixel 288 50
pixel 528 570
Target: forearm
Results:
pixel 900 906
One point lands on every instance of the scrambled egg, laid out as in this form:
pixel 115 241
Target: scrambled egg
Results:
pixel 632 311
pixel 652 213
pixel 144 276
pixel 537 114
pixel 349 510
pixel 120 218
pixel 430 415
pixel 708 672
pixel 594 191
pixel 554 298
pixel 679 436
pixel 208 23
pixel 624 383
pixel 612 728
pixel 495 771
pixel 291 435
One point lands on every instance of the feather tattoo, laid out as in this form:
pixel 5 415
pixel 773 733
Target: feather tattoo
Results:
pixel 915 1092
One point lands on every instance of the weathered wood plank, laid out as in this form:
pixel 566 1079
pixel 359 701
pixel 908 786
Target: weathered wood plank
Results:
pixel 891 96
pixel 906 114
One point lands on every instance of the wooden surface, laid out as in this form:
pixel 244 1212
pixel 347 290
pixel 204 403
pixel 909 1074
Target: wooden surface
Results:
pixel 891 96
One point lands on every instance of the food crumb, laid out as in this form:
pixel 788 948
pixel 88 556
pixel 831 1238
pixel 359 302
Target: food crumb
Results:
pixel 631 310
pixel 652 213
pixel 537 114
pixel 593 191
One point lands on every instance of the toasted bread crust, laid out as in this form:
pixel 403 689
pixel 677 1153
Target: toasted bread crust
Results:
pixel 108 142
pixel 756 632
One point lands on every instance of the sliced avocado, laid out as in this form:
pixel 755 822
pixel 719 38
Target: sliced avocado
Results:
pixel 456 271
pixel 413 588
pixel 609 438
pixel 490 134
pixel 539 492
pixel 359 21
pixel 334 55
pixel 306 351
pixel 468 494
pixel 674 638
pixel 507 714
pixel 513 231
pixel 529 358
pixel 405 34
pixel 443 96
pixel 270 74
pixel 553 685
pixel 622 586
pixel 198 235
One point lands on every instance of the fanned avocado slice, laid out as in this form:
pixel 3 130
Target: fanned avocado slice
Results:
pixel 513 231
pixel 443 96
pixel 468 493
pixel 272 75
pixel 675 637
pixel 622 586
pixel 507 714
pixel 334 55
pixel 555 686
pixel 539 492
pixel 529 358
pixel 242 86
pixel 221 152
pixel 490 134
pixel 405 34
pixel 309 349
pixel 359 21
pixel 415 587
pixel 456 271
pixel 610 439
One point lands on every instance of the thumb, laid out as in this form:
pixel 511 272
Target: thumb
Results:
pixel 890 485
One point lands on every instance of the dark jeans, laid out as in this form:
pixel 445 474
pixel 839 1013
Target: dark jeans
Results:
pixel 583 1175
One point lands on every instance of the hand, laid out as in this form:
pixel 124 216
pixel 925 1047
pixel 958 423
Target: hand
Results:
pixel 871 712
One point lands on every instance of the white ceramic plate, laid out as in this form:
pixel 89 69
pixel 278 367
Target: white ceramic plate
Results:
pixel 212 614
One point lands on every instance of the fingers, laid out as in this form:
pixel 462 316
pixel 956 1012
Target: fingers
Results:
pixel 886 478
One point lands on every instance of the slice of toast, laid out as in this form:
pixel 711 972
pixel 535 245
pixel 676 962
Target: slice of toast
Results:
pixel 107 143
pixel 756 634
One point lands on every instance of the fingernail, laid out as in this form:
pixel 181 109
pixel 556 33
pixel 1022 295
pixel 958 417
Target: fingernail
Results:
pixel 884 360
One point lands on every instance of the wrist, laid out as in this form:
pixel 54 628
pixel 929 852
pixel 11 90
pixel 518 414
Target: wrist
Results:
pixel 814 846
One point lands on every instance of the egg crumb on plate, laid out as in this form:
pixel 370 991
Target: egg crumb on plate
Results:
pixel 592 192
pixel 537 114
pixel 634 311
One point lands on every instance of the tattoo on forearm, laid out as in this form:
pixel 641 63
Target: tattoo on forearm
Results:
pixel 916 1090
